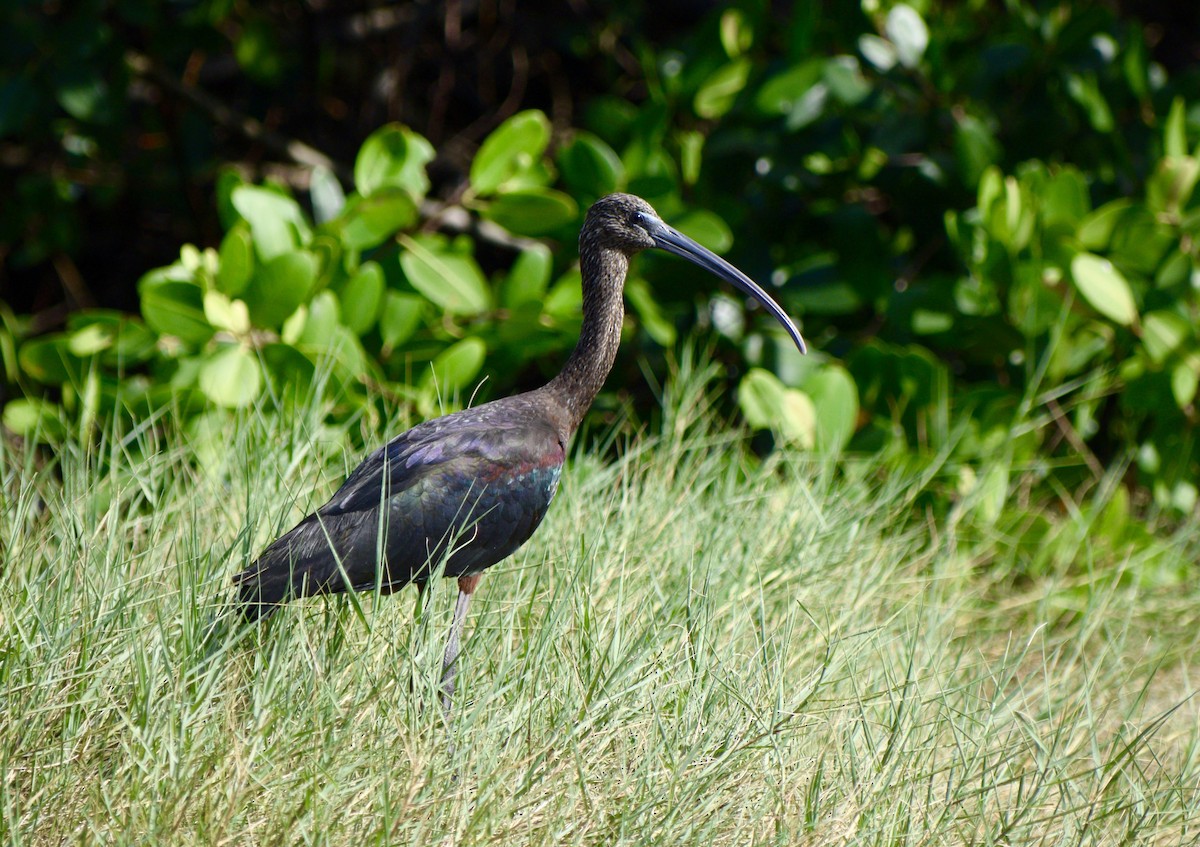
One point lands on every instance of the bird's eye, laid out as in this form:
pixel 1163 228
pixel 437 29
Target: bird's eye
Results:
pixel 640 219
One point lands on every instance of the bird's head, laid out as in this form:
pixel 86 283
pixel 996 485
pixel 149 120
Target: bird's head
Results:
pixel 622 222
pixel 629 224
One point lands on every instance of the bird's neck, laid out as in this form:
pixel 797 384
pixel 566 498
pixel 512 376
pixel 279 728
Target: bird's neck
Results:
pixel 576 386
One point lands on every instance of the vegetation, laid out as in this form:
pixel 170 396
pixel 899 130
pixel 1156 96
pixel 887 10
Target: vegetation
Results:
pixel 693 649
pixel 944 592
pixel 988 223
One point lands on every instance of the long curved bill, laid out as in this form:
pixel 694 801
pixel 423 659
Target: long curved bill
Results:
pixel 676 242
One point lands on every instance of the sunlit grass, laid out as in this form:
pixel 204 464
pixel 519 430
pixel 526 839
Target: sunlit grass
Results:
pixel 696 648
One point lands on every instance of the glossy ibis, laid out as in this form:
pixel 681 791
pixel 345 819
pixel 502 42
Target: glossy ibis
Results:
pixel 471 487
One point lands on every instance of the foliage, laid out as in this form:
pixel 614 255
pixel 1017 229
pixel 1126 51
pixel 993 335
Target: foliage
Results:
pixel 366 288
pixel 645 671
pixel 986 221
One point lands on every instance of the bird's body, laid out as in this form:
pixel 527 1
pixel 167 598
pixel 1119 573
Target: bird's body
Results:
pixel 469 488
pixel 466 490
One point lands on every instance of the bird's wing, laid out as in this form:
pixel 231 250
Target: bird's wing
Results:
pixel 467 447
pixel 491 476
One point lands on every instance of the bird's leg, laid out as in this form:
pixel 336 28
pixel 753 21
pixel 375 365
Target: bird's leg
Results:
pixel 466 587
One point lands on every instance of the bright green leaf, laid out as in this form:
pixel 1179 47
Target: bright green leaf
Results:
pixel 835 398
pixel 174 307
pixel 706 228
pixel 529 277
pixel 532 211
pixel 781 94
pixel 717 93
pixel 449 280
pixel 280 286
pixel 369 221
pixel 33 418
pixel 321 324
pixel 590 167
pixel 231 377
pixel 1162 333
pixel 361 296
pixel 1096 231
pixel 89 340
pixel 760 396
pixel 1183 384
pixel 400 318
pixel 393 157
pixel 907 31
pixel 1104 288
pixel 236 261
pixel 644 304
pixel 452 370
pixel 1175 130
pixel 515 145
pixel 277 224
pixel 328 198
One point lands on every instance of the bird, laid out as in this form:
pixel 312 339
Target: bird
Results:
pixel 466 490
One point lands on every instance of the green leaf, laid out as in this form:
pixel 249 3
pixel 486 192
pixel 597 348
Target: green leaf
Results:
pixel 975 147
pixel 1162 334
pixel 737 35
pixel 768 404
pixel 528 278
pixel 33 418
pixel 590 167
pixel 368 222
pixel 1104 288
pixel 835 398
pixel 907 31
pixel 783 94
pixel 226 314
pixel 717 93
pixel 1183 384
pixel 1096 231
pixel 280 286
pixel 84 97
pixel 277 224
pixel 878 51
pixel 48 359
pixel 1175 130
pixel 931 322
pixel 532 211
pixel 1171 186
pixel 174 307
pixel 514 146
pixel 322 319
pixel 361 296
pixel 393 156
pixel 88 341
pixel 1064 198
pixel 231 377
pixel 328 198
pixel 691 155
pixel 1085 90
pixel 400 318
pixel 564 302
pixel 644 304
pixel 452 370
pixel 843 75
pixel 236 261
pixel 706 228
pixel 450 280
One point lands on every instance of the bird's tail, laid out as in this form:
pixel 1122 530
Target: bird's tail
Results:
pixel 295 565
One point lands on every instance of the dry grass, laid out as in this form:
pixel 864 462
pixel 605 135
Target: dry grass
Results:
pixel 693 650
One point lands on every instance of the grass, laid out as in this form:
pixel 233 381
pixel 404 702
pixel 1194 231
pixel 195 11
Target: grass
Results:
pixel 694 649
